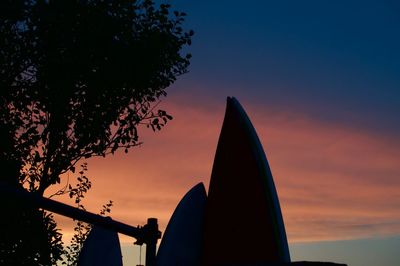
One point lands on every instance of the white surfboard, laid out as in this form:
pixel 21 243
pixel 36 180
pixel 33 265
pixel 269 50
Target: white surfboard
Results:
pixel 101 247
pixel 182 240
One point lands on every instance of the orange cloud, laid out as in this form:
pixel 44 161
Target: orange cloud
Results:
pixel 334 181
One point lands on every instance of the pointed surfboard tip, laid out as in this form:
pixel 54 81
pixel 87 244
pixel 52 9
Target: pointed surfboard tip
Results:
pixel 199 187
pixel 232 102
pixel 199 190
pixel 229 99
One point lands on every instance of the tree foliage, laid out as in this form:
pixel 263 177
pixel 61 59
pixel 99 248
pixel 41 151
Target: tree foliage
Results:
pixel 81 230
pixel 77 79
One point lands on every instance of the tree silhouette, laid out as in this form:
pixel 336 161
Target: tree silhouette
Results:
pixel 77 79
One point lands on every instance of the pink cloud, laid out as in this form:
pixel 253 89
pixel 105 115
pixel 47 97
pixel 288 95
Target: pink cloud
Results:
pixel 334 181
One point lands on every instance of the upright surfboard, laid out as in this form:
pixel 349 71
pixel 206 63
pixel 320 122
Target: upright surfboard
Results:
pixel 101 247
pixel 243 220
pixel 182 240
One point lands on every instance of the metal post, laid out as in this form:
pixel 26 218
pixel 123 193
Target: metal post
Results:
pixel 152 235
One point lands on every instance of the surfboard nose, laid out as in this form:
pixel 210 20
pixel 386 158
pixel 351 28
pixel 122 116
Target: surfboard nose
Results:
pixel 182 240
pixel 243 220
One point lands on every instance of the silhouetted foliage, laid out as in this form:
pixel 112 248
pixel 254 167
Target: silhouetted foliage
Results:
pixel 81 230
pixel 28 236
pixel 77 78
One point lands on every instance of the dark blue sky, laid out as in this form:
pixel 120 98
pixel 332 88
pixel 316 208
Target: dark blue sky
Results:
pixel 337 61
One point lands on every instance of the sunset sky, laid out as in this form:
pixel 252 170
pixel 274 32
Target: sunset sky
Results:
pixel 320 81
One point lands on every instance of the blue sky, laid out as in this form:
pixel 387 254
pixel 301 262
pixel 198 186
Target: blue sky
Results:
pixel 336 60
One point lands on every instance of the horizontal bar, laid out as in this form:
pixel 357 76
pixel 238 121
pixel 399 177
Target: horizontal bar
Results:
pixel 60 208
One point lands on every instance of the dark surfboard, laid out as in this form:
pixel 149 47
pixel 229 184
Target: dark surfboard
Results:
pixel 243 220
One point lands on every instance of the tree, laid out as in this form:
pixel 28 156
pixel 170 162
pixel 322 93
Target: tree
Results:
pixel 77 79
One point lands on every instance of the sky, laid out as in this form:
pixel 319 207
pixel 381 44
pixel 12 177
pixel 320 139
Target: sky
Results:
pixel 320 82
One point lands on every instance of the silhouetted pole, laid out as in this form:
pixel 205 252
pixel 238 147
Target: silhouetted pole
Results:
pixel 151 243
pixel 148 234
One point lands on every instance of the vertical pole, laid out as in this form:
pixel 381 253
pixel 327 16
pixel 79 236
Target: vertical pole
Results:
pixel 151 241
